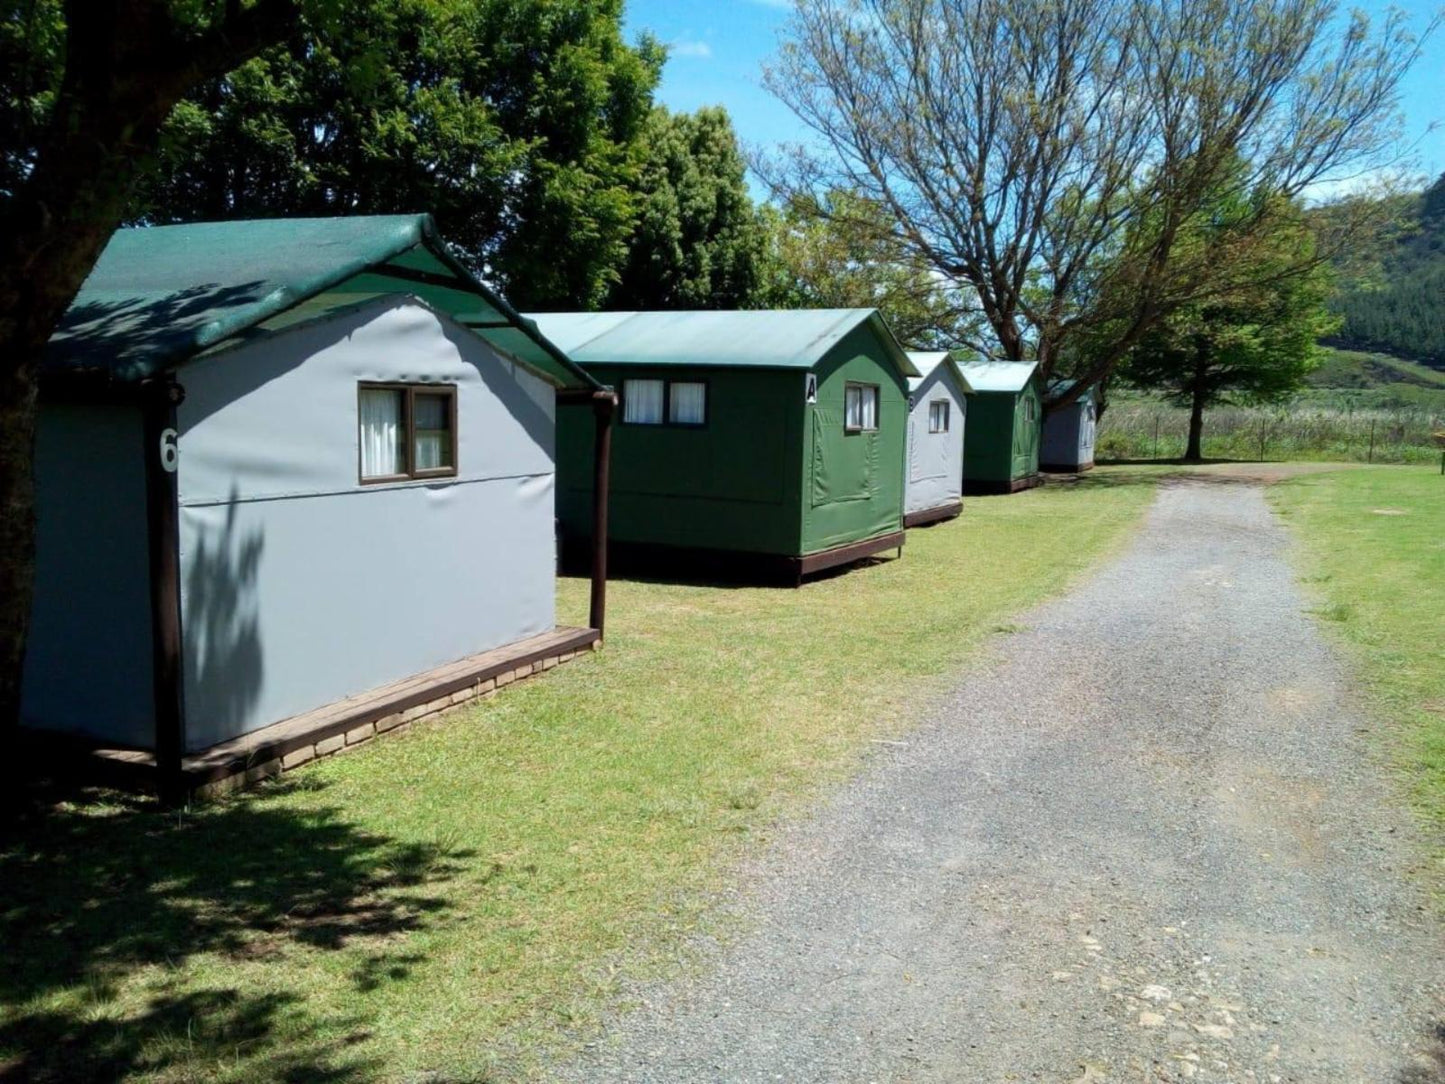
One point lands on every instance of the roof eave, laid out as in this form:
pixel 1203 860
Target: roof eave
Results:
pixel 891 345
pixel 431 237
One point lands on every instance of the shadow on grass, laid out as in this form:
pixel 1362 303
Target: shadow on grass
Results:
pixel 1119 473
pixel 97 886
pixel 687 567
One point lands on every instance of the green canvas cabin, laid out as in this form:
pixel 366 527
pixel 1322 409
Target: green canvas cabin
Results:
pixel 775 434
pixel 1005 424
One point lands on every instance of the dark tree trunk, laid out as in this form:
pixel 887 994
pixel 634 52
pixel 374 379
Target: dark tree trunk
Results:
pixel 127 64
pixel 17 528
pixel 1194 451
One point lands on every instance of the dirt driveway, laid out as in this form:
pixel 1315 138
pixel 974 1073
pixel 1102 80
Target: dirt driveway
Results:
pixel 1146 842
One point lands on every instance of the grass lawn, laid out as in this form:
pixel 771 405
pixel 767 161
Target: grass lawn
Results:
pixel 442 901
pixel 1373 548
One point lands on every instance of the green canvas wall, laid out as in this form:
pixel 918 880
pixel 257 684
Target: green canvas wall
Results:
pixel 854 481
pixel 731 484
pixel 1000 444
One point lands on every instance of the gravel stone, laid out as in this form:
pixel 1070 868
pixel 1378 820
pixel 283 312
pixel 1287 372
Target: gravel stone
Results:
pixel 1163 787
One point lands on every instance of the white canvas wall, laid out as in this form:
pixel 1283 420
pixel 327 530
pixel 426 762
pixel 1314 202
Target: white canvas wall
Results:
pixel 1068 438
pixel 299 585
pixel 935 460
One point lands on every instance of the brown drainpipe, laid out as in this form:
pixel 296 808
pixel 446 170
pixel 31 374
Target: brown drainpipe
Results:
pixel 163 518
pixel 604 404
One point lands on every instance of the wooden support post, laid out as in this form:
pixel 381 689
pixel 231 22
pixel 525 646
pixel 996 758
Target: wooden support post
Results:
pixel 163 519
pixel 604 405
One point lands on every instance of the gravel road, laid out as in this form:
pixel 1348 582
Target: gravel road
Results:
pixel 1144 842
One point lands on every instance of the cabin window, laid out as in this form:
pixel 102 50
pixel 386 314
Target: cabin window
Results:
pixel 664 402
pixel 687 402
pixel 938 416
pixel 407 431
pixel 1029 409
pixel 432 430
pixel 860 407
pixel 642 402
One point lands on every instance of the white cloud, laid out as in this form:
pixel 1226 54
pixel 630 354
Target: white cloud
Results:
pixel 685 47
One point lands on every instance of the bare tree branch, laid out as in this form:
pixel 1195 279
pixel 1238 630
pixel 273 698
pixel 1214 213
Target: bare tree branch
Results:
pixel 1047 155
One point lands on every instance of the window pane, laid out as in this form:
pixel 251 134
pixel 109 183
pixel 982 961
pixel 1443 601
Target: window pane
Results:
pixel 383 450
pixel 853 407
pixel 432 411
pixel 432 416
pixel 688 403
pixel 642 402
pixel 870 408
pixel 938 416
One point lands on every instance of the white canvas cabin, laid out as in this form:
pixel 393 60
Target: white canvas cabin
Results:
pixel 295 480
pixel 1068 441
pixel 937 410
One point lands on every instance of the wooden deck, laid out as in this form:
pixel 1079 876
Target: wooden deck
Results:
pixel 329 729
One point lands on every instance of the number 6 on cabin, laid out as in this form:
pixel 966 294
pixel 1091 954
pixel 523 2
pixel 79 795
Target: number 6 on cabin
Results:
pixel 170 453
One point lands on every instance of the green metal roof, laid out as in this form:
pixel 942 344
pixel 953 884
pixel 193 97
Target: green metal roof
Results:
pixel 1008 376
pixel 753 338
pixel 162 295
pixel 925 361
pixel 1059 388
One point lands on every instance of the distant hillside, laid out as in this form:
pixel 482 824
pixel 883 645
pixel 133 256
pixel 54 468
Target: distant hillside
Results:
pixel 1399 306
pixel 1377 380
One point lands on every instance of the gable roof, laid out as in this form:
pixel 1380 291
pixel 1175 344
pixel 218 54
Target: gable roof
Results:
pixel 1006 376
pixel 926 361
pixel 1058 388
pixel 746 338
pixel 159 296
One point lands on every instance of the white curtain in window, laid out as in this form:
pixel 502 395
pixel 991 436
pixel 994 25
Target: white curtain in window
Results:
pixel 853 407
pixel 432 417
pixel 870 408
pixel 642 402
pixel 689 402
pixel 381 437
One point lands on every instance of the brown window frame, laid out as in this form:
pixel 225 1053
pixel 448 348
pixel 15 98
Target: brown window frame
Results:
pixel 667 419
pixel 877 407
pixel 411 474
pixel 947 415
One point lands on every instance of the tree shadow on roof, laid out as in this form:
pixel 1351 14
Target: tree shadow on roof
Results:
pixel 125 331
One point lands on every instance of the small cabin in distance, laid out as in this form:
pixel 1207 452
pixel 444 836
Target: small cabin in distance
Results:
pixel 1001 446
pixel 937 414
pixel 776 437
pixel 1068 443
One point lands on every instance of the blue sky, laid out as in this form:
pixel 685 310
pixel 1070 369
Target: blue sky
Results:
pixel 718 49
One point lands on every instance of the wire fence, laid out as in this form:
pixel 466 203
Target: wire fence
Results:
pixel 1151 430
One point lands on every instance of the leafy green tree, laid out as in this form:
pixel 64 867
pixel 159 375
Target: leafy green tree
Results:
pixel 840 252
pixel 517 123
pixel 699 242
pixel 1252 345
pixel 85 87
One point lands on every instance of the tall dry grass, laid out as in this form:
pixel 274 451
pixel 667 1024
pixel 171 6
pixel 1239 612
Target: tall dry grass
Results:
pixel 1145 429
